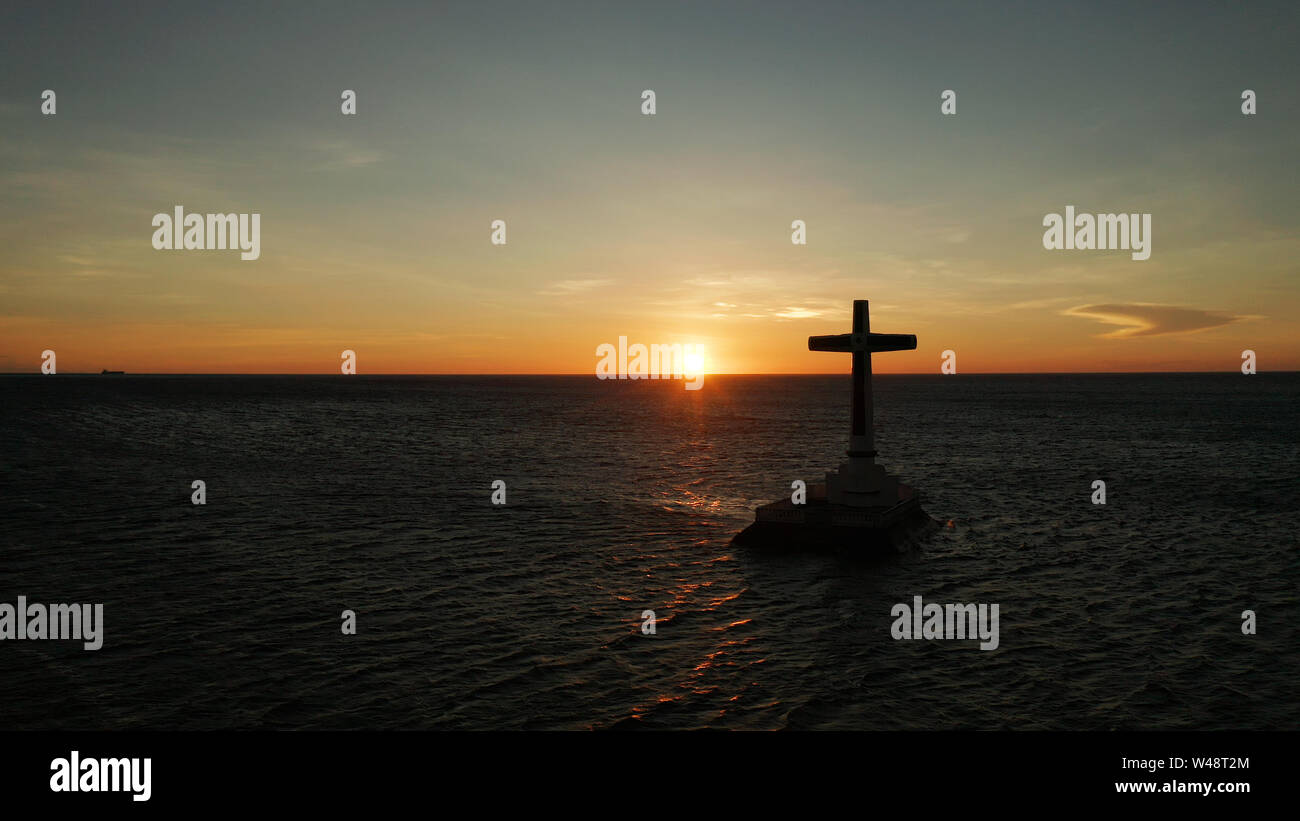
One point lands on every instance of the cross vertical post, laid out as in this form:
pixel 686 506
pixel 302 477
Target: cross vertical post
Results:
pixel 861 438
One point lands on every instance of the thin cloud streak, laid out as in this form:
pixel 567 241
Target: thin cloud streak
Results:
pixel 1145 319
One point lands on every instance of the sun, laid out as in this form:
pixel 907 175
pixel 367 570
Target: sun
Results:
pixel 694 363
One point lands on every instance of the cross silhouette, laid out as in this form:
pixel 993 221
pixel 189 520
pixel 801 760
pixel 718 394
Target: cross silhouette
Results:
pixel 862 344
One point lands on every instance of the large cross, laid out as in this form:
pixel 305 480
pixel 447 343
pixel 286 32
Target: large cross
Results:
pixel 862 344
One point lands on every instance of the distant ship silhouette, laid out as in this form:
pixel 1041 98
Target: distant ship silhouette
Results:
pixel 860 508
pixel 106 371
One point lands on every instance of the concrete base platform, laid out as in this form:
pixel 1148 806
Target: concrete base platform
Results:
pixel 820 525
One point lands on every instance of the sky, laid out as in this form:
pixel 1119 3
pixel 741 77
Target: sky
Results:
pixel 670 228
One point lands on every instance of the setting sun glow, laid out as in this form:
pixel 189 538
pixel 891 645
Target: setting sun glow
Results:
pixel 694 363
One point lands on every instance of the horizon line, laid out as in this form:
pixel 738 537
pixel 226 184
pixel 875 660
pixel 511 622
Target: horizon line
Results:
pixel 626 379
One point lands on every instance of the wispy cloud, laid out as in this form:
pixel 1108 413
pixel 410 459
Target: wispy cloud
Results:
pixel 798 313
pixel 569 287
pixel 1146 319
pixel 1033 304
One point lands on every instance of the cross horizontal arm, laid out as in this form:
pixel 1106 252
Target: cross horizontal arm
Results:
pixel 871 343
pixel 843 343
pixel 891 342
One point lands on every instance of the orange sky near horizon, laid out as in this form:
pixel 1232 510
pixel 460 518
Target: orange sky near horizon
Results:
pixel 748 346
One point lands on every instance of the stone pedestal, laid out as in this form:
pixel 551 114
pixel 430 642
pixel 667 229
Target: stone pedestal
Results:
pixel 822 525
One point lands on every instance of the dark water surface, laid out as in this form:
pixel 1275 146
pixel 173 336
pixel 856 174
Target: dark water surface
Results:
pixel 373 494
